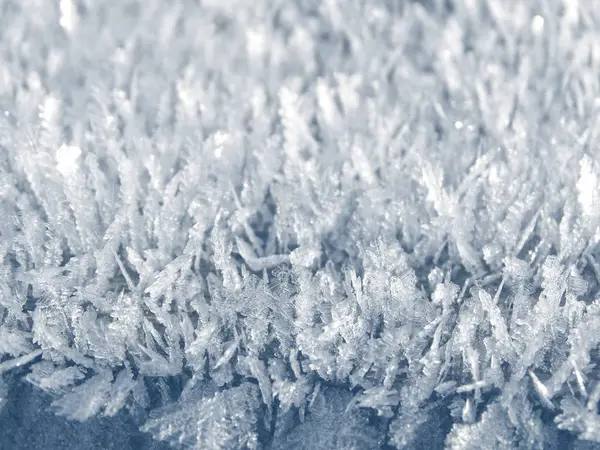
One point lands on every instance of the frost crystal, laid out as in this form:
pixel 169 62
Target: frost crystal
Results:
pixel 67 157
pixel 68 15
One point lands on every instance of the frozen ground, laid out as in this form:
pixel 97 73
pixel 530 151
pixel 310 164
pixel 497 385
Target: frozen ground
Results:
pixel 299 224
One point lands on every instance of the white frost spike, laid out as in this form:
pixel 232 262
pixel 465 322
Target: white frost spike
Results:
pixel 588 187
pixel 347 87
pixel 468 412
pixel 363 166
pixel 227 354
pixel 67 157
pixel 68 15
pixel 296 369
pixel 327 105
pixel 580 379
pixel 51 110
pixel 18 362
pixel 221 138
pixel 295 129
pixel 259 371
pixel 571 12
pixel 256 42
pixel 537 25
pixel 128 280
pixel 60 379
pixel 472 386
pixel 255 263
pixel 541 390
pixel 305 256
pixel 445 387
pixel 594 398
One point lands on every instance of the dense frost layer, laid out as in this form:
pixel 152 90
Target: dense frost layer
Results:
pixel 301 224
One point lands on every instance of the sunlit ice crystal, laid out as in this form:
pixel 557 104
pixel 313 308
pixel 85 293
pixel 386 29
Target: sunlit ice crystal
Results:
pixel 67 157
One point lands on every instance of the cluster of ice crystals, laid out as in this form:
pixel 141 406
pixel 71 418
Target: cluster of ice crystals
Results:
pixel 305 224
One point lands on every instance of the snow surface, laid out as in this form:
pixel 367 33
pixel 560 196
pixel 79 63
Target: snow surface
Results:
pixel 299 224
